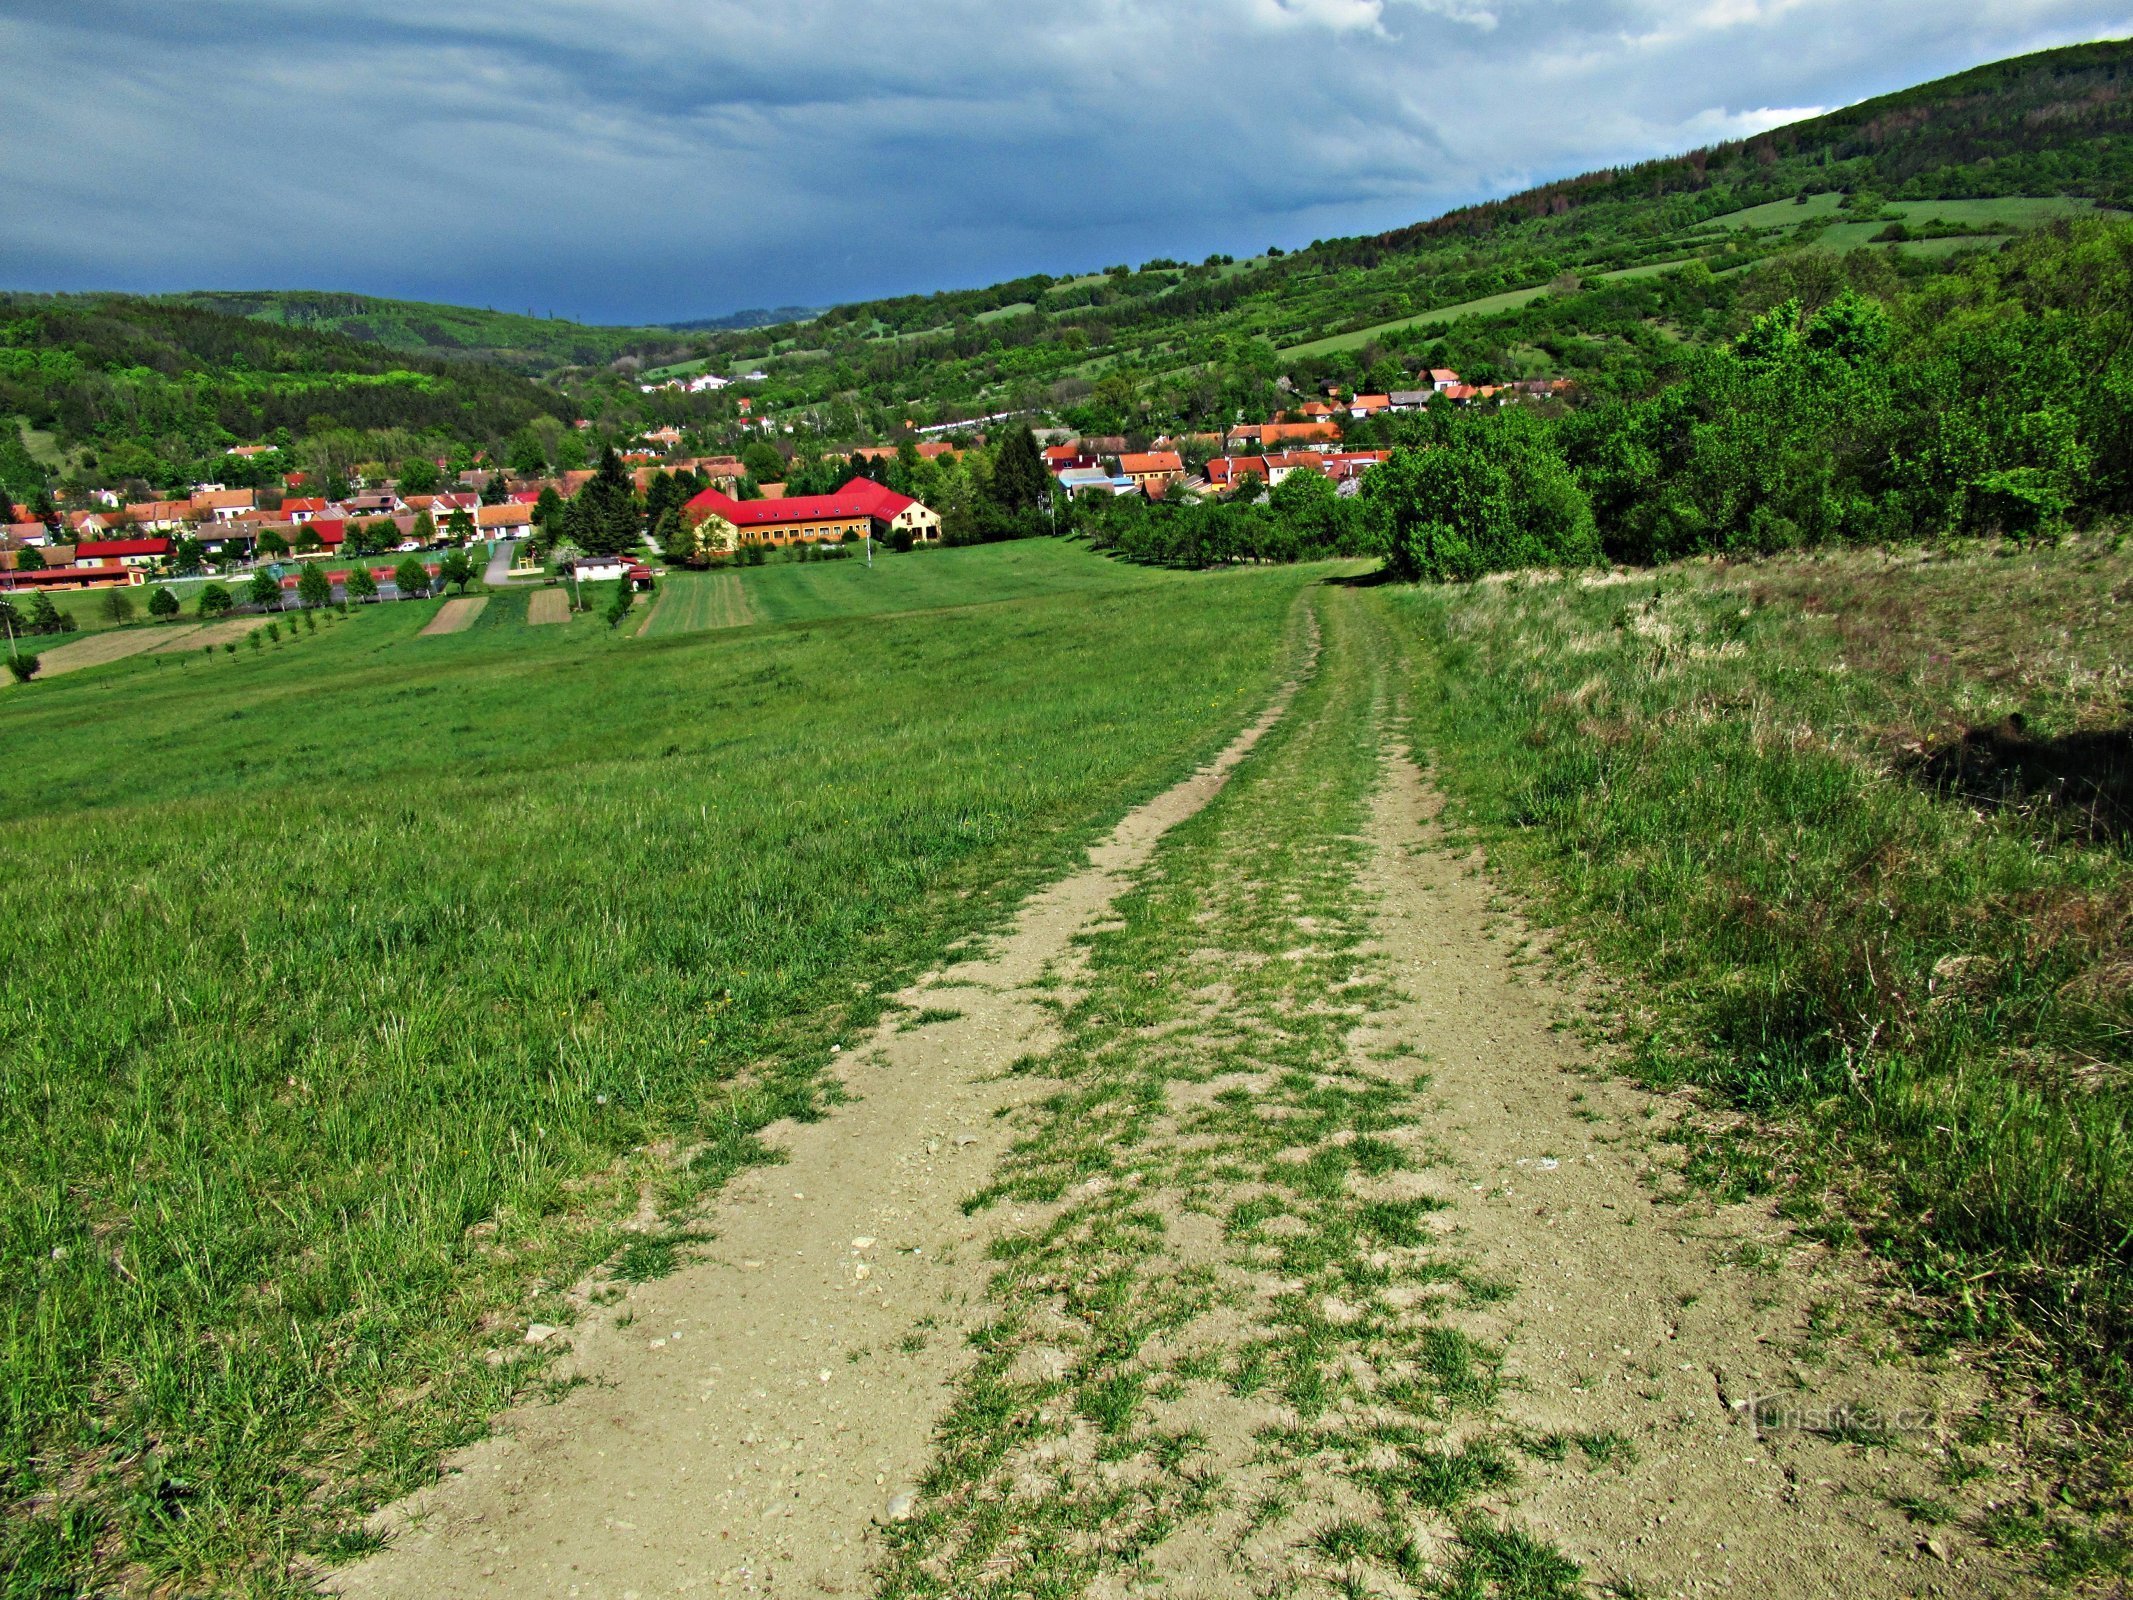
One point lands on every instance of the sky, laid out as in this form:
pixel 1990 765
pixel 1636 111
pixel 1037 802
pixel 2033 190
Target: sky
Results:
pixel 658 160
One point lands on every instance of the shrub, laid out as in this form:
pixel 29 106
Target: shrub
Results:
pixel 24 667
pixel 1494 496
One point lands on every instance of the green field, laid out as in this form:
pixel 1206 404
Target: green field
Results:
pixel 1510 300
pixel 922 580
pixel 390 964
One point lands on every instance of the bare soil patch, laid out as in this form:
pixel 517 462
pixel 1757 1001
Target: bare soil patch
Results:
pixel 547 605
pixel 456 616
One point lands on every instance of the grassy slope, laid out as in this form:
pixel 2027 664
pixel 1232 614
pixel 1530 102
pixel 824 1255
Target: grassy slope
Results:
pixel 1729 781
pixel 386 959
pixel 924 580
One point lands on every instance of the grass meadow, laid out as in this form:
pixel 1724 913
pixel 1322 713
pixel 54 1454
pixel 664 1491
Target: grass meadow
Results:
pixel 921 580
pixel 359 985
pixel 1857 827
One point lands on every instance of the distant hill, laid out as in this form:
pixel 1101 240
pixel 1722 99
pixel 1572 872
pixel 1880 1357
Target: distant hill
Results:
pixel 528 344
pixel 158 390
pixel 1952 166
pixel 762 317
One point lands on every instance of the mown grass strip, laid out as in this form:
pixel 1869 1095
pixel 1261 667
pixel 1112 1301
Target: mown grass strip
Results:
pixel 1221 1319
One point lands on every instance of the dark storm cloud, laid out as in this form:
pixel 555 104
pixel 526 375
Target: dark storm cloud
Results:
pixel 662 158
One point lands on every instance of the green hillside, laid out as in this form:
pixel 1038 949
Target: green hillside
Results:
pixel 533 344
pixel 1931 172
pixel 116 389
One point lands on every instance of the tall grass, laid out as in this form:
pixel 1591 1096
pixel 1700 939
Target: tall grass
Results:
pixel 355 991
pixel 1744 786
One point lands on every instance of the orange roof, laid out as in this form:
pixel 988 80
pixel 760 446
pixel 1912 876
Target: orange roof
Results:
pixel 508 515
pixel 222 499
pixel 1276 432
pixel 1152 461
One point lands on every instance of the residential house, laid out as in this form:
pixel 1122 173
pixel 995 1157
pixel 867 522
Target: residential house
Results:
pixel 666 438
pixel 1369 405
pixel 1275 435
pixel 302 508
pixel 1443 379
pixel 220 505
pixel 1226 473
pixel 153 516
pixel 1078 481
pixel 596 569
pixel 511 520
pixel 1410 399
pixel 1153 471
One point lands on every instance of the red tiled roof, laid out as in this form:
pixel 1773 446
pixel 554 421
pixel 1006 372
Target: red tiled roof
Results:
pixel 102 549
pixel 862 497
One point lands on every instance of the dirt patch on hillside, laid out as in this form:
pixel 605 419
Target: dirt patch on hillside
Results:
pixel 547 605
pixel 456 616
pixel 746 1424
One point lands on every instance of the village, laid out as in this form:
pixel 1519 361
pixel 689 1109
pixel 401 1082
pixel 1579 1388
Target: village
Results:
pixel 219 530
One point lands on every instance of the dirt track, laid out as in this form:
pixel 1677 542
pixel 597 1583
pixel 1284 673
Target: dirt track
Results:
pixel 763 1420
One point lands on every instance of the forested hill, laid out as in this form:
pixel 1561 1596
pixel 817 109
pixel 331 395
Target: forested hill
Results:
pixel 527 343
pixel 129 388
pixel 1953 166
pixel 2050 124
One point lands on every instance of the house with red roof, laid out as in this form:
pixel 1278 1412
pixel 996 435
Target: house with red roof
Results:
pixel 99 575
pixel 127 552
pixel 859 509
pixel 1276 435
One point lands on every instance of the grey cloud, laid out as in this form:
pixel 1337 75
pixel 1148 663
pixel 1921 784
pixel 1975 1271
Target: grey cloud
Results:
pixel 665 158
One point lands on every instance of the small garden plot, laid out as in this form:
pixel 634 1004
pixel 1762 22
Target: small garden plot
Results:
pixel 456 616
pixel 208 636
pixel 99 648
pixel 549 605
